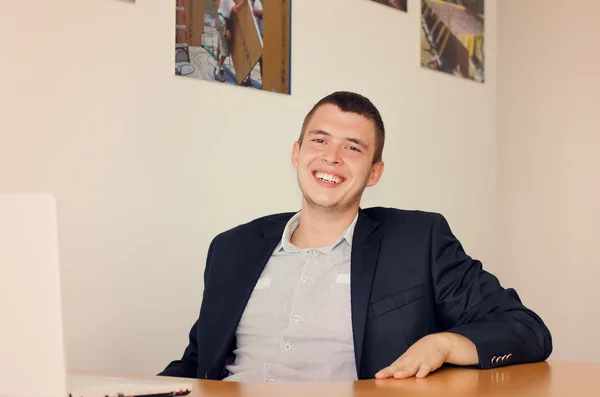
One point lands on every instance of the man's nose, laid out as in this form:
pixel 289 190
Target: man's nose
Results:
pixel 332 155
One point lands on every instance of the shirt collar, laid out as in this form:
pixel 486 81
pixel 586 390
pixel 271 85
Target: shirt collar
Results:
pixel 286 245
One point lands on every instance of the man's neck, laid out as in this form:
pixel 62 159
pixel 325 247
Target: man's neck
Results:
pixel 320 228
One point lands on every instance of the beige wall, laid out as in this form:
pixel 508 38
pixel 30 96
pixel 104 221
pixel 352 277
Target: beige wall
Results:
pixel 147 167
pixel 549 165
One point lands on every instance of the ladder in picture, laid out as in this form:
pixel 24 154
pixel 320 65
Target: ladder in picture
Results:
pixel 182 49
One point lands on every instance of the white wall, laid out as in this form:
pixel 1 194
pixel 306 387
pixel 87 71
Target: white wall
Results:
pixel 148 167
pixel 549 167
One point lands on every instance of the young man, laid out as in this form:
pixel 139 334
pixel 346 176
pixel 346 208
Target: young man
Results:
pixel 225 9
pixel 335 292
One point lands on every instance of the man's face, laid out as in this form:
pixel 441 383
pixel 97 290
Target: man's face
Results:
pixel 335 161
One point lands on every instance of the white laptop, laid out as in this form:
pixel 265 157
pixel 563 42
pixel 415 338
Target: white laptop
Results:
pixel 32 358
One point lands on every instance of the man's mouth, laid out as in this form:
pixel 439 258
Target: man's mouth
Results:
pixel 328 178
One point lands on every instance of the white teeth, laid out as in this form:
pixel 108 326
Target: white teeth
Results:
pixel 327 177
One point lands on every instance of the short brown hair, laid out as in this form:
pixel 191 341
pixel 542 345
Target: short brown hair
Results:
pixel 354 103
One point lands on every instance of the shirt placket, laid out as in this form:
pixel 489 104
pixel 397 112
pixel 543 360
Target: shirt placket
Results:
pixel 301 300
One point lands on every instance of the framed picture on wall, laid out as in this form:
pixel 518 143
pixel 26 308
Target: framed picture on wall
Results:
pixel 452 37
pixel 237 42
pixel 397 4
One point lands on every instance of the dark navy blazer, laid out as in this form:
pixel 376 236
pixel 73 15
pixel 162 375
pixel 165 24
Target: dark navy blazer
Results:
pixel 410 277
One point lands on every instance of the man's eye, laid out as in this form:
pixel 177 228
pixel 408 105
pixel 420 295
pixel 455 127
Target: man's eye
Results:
pixel 318 140
pixel 354 148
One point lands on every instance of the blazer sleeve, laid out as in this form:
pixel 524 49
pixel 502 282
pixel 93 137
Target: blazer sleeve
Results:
pixel 187 366
pixel 471 302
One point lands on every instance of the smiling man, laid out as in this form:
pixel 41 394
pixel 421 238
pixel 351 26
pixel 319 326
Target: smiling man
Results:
pixel 335 292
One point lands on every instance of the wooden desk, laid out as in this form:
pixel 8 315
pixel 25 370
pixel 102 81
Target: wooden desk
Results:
pixel 548 379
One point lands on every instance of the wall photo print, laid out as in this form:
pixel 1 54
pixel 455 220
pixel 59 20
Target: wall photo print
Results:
pixel 452 37
pixel 397 4
pixel 236 42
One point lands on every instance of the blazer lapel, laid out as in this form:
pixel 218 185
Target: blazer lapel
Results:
pixel 257 253
pixel 241 277
pixel 365 249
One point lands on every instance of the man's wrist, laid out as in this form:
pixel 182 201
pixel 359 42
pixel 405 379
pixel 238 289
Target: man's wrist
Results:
pixel 458 349
pixel 445 343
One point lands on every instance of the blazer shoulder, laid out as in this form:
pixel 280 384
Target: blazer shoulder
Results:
pixel 394 216
pixel 251 228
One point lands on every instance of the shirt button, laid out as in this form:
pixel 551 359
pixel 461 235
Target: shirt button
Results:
pixel 287 346
pixel 271 380
pixel 304 279
pixel 296 318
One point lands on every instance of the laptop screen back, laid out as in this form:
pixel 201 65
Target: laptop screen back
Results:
pixel 32 360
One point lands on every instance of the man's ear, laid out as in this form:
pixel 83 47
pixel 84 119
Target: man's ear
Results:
pixel 295 151
pixel 376 173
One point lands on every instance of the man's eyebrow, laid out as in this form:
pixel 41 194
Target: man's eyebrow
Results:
pixel 358 142
pixel 318 132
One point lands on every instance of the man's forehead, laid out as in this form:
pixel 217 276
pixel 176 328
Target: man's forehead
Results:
pixel 336 123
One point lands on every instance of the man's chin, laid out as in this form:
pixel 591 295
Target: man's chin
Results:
pixel 321 203
pixel 329 207
pixel 326 205
pixel 329 203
